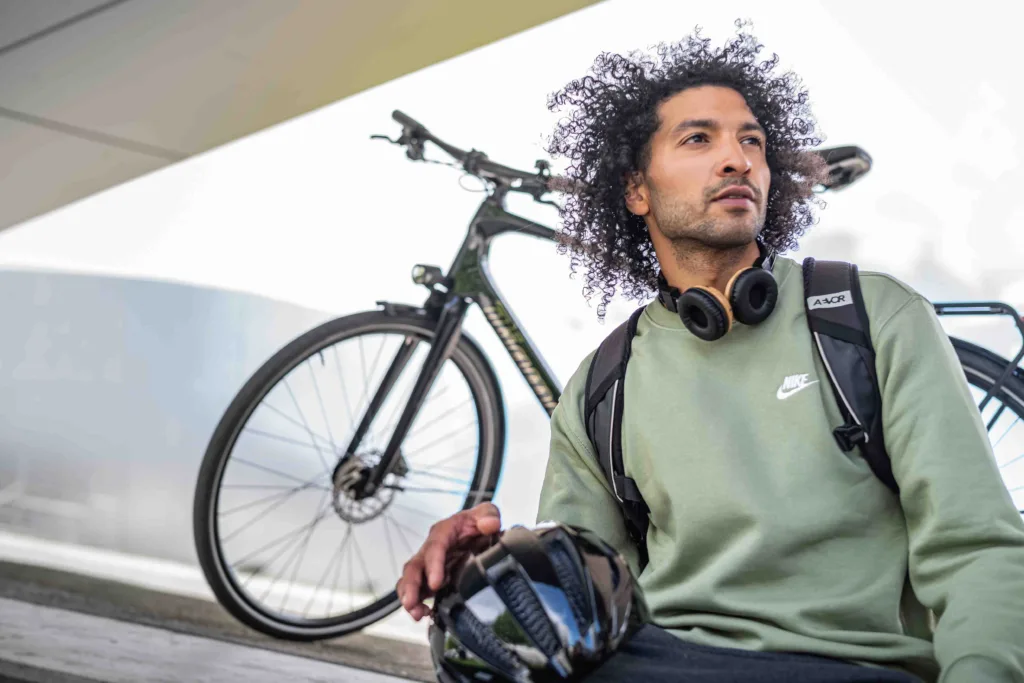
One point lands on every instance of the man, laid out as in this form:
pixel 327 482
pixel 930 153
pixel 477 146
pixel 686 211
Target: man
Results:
pixel 769 547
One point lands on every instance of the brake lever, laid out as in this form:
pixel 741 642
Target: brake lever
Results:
pixel 543 174
pixel 413 144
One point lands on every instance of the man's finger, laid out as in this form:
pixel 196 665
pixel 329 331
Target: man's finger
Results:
pixel 434 554
pixel 409 585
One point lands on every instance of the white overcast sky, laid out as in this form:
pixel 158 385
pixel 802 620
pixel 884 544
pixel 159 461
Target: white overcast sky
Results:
pixel 313 212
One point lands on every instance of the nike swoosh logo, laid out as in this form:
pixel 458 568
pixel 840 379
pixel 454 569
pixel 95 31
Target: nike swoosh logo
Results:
pixel 783 394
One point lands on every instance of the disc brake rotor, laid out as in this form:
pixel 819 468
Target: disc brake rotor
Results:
pixel 350 478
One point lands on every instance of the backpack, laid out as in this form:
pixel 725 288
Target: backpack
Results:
pixel 837 321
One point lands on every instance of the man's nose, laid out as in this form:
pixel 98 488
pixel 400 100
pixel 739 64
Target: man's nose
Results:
pixel 734 161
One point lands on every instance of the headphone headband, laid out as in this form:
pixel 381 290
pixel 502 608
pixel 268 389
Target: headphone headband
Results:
pixel 669 296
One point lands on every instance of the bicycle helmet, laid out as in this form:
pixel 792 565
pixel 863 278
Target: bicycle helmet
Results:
pixel 543 604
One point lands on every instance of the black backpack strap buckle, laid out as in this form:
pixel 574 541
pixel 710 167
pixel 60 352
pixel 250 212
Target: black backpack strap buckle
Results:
pixel 848 436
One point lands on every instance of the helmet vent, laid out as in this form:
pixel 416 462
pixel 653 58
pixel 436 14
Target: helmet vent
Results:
pixel 481 641
pixel 565 568
pixel 524 605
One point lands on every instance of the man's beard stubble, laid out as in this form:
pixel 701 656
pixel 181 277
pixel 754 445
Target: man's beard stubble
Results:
pixel 690 229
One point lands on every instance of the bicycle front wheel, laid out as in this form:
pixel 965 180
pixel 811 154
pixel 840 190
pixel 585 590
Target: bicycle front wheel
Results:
pixel 287 545
pixel 1003 414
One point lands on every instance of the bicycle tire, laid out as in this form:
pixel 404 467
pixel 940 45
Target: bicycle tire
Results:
pixel 486 393
pixel 982 368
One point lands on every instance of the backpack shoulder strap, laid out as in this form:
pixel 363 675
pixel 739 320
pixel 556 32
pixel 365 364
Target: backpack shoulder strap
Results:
pixel 839 325
pixel 605 391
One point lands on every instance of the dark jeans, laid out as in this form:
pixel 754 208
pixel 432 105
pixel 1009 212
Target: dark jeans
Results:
pixel 654 655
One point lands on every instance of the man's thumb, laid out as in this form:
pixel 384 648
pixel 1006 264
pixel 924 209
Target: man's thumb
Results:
pixel 488 525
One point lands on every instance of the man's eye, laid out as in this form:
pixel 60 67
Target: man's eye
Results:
pixel 694 138
pixel 755 140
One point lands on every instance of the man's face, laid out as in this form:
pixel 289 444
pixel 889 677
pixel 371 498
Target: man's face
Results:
pixel 708 143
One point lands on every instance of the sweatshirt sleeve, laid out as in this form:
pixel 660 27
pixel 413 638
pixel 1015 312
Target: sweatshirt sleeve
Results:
pixel 966 537
pixel 575 490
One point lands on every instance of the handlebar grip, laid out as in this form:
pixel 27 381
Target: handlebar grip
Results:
pixel 408 121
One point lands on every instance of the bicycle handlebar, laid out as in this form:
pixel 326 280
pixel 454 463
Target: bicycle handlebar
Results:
pixel 414 134
pixel 846 164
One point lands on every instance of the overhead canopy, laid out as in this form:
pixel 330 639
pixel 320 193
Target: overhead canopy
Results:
pixel 96 92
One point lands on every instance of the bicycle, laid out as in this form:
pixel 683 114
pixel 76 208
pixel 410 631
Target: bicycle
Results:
pixel 367 479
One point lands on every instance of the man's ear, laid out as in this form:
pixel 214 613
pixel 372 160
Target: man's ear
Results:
pixel 637 199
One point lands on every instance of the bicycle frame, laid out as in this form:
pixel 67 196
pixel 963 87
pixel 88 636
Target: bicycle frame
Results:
pixel 467 281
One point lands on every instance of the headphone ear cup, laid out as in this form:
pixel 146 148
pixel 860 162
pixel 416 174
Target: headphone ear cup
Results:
pixel 705 313
pixel 753 293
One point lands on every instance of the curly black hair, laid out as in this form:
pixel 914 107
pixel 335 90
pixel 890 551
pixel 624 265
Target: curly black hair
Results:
pixel 606 139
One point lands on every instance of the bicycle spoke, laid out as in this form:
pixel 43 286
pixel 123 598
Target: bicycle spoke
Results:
pixel 1010 462
pixel 391 549
pixel 295 572
pixel 437 420
pixel 337 570
pixel 266 565
pixel 284 568
pixel 440 476
pixel 305 423
pixel 273 471
pixel 312 597
pixel 335 556
pixel 366 380
pixel 1012 424
pixel 278 437
pixel 257 518
pixel 373 589
pixel 323 411
pixel 344 392
pixel 294 422
pixel 449 458
pixel 274 542
pixel 440 468
pixel 412 489
pixel 271 497
pixel 438 440
pixel 309 530
pixel 402 506
pixel 351 593
pixel 256 486
pixel 398 527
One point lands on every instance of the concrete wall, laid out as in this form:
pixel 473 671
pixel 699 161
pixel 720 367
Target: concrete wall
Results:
pixel 109 391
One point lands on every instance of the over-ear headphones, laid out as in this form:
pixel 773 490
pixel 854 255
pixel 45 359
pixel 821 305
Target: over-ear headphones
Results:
pixel 749 297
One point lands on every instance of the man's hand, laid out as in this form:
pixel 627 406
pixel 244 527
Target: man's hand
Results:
pixel 462 533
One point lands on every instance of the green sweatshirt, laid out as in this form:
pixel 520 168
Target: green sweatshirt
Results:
pixel 765 535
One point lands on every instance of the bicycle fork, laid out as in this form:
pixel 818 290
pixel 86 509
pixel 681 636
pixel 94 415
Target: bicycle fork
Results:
pixel 446 335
